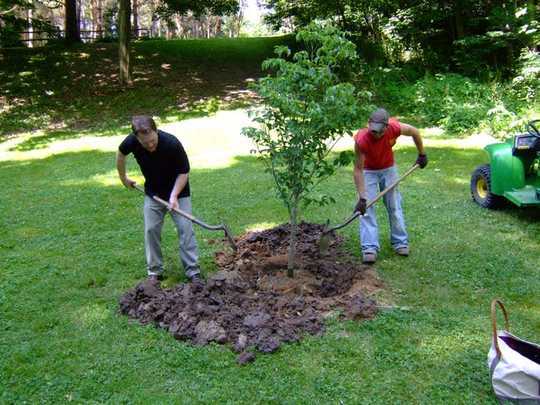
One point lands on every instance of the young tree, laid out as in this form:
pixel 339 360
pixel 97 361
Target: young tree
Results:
pixel 307 107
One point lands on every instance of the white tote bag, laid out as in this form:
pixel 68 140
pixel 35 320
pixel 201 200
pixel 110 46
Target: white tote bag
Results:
pixel 514 364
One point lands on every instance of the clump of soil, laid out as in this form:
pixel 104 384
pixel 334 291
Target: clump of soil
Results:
pixel 250 302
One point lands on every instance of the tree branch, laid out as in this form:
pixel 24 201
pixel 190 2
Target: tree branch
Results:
pixel 12 9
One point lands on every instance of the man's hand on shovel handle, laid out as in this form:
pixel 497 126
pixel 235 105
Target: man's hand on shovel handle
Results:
pixel 422 160
pixel 361 206
pixel 173 203
pixel 128 183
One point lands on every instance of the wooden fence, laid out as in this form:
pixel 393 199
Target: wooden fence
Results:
pixel 40 38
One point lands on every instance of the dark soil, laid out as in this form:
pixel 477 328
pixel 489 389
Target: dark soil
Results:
pixel 250 302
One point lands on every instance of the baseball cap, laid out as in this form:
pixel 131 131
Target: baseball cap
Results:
pixel 378 120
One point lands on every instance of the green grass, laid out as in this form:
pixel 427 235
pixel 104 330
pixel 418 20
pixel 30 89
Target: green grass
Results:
pixel 72 244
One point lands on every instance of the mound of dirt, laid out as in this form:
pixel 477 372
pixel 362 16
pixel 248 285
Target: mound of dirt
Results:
pixel 250 302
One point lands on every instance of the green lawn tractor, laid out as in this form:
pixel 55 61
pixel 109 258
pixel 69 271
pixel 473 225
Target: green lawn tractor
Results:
pixel 513 173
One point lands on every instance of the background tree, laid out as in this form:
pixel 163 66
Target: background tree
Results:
pixel 71 22
pixel 466 35
pixel 307 106
pixel 22 22
pixel 463 35
pixel 201 7
pixel 124 23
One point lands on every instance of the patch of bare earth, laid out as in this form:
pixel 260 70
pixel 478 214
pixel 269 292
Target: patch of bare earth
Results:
pixel 251 304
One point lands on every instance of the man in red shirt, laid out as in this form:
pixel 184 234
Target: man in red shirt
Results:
pixel 374 170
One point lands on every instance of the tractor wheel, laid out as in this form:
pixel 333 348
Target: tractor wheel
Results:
pixel 481 188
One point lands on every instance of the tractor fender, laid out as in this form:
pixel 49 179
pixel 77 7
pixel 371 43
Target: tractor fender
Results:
pixel 507 170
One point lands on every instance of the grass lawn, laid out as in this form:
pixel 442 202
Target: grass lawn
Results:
pixel 71 242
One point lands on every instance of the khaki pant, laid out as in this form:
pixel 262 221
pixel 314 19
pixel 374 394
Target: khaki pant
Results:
pixel 154 213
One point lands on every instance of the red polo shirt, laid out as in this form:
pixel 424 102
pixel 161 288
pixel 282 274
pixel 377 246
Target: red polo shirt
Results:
pixel 378 152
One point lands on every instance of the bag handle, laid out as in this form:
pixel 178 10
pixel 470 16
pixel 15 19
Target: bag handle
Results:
pixel 494 322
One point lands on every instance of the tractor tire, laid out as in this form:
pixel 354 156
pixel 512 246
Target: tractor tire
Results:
pixel 481 188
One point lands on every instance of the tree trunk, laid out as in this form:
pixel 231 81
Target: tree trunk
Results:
pixel 93 7
pixel 135 12
pixel 179 26
pixel 71 26
pixel 30 34
pixel 124 25
pixel 291 260
pixel 99 21
pixel 460 26
pixel 218 26
pixel 531 10
pixel 341 12
pixel 79 12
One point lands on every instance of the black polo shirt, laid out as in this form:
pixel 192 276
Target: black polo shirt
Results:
pixel 161 167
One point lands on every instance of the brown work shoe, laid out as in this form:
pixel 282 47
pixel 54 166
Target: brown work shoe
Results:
pixel 403 251
pixel 369 257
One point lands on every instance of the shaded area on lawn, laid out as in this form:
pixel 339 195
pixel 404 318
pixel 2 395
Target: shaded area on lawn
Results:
pixel 77 89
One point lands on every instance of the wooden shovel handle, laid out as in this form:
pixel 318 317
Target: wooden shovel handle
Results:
pixel 166 204
pixel 393 185
pixel 377 198
pixel 197 221
pixel 494 304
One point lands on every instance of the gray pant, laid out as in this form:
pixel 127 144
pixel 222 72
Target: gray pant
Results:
pixel 154 214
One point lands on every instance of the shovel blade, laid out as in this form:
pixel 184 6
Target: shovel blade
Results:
pixel 324 241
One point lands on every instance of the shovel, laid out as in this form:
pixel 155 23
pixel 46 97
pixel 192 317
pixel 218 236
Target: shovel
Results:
pixel 324 242
pixel 221 227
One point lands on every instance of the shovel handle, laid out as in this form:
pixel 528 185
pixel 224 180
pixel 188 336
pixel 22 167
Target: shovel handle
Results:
pixel 377 198
pixel 197 221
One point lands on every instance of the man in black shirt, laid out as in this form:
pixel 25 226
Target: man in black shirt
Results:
pixel 165 167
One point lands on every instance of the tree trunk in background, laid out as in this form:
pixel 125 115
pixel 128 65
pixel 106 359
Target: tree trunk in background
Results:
pixel 460 28
pixel 99 26
pixel 179 26
pixel 124 26
pixel 80 13
pixel 218 26
pixel 531 9
pixel 71 25
pixel 93 7
pixel 97 18
pixel 30 35
pixel 195 28
pixel 135 13
pixel 341 11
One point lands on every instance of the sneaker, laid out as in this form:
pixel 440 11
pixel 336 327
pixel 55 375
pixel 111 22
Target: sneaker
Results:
pixel 369 257
pixel 403 251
